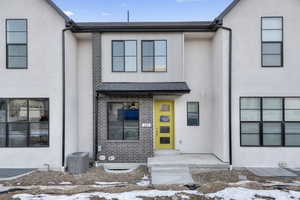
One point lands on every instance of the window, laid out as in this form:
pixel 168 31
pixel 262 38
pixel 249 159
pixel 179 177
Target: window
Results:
pixel 154 56
pixel 24 122
pixel 270 121
pixel 193 114
pixel 124 56
pixel 272 41
pixel 123 121
pixel 16 43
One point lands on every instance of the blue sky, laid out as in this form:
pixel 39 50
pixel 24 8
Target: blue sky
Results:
pixel 142 10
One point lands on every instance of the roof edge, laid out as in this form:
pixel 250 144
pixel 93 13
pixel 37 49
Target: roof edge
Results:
pixel 226 11
pixel 59 11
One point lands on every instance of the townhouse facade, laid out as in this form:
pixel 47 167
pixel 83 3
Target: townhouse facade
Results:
pixel 118 90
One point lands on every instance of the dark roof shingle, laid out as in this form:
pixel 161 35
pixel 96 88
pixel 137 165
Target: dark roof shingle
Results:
pixel 143 87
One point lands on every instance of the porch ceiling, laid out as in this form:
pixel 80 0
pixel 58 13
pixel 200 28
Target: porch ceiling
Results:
pixel 173 88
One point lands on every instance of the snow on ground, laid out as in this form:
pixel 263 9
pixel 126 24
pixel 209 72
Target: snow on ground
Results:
pixel 144 182
pixel 248 194
pixel 133 195
pixel 110 183
pixel 65 183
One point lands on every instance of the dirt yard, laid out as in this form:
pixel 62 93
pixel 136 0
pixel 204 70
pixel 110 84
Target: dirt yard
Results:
pixel 58 183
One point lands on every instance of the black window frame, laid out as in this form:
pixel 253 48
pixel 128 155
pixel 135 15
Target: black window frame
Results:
pixel 28 122
pixel 261 122
pixel 123 134
pixel 273 42
pixel 198 113
pixel 15 44
pixel 124 56
pixel 154 56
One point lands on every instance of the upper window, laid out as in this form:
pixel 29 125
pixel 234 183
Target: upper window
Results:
pixel 16 43
pixel 124 56
pixel 24 122
pixel 269 121
pixel 123 121
pixel 193 114
pixel 154 56
pixel 272 41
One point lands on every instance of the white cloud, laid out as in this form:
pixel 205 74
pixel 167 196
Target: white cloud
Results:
pixel 183 1
pixel 105 14
pixel 69 13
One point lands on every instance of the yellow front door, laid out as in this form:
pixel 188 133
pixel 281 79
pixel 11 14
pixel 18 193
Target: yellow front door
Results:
pixel 164 124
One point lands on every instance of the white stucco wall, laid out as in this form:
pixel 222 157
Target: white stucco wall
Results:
pixel 220 92
pixel 43 77
pixel 250 79
pixel 85 96
pixel 71 144
pixel 198 75
pixel 174 62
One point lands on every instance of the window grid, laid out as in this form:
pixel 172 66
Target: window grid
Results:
pixel 261 123
pixel 124 56
pixel 193 113
pixel 123 121
pixel 27 122
pixel 16 44
pixel 271 42
pixel 154 56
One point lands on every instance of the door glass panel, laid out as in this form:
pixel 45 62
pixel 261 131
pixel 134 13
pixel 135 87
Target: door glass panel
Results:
pixel 164 119
pixel 164 129
pixel 165 107
pixel 164 140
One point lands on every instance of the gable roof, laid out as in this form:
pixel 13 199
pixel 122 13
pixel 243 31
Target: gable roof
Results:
pixel 227 10
pixel 59 11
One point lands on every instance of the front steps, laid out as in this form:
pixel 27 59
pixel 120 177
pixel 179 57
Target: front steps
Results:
pixel 171 167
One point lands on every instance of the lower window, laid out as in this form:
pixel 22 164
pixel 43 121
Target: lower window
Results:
pixel 270 121
pixel 123 121
pixel 24 122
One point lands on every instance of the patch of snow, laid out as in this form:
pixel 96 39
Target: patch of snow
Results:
pixel 111 183
pixel 184 197
pixel 248 194
pixel 144 182
pixel 274 183
pixel 133 195
pixel 242 183
pixel 65 183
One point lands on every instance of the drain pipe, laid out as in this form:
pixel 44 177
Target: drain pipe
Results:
pixel 229 90
pixel 69 27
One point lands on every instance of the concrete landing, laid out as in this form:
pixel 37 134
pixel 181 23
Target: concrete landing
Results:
pixel 272 172
pixel 190 160
pixel 170 175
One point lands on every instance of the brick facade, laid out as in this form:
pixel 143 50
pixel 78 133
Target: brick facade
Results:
pixel 126 151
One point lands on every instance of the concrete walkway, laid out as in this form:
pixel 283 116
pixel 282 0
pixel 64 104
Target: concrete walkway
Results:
pixel 7 174
pixel 170 167
pixel 272 172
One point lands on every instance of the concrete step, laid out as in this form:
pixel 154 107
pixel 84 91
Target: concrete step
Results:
pixel 171 175
pixel 166 152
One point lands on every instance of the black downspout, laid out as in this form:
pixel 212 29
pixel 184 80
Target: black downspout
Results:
pixel 64 95
pixel 229 91
pixel 96 127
